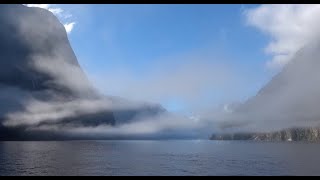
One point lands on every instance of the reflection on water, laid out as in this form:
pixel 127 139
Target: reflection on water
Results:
pixel 158 158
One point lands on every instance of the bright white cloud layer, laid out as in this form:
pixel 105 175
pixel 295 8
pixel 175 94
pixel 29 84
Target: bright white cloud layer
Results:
pixel 59 13
pixel 291 27
pixel 44 6
pixel 69 26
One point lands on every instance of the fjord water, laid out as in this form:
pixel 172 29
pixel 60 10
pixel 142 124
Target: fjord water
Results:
pixel 173 157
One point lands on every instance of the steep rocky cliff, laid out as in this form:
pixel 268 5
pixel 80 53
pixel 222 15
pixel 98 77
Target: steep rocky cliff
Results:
pixel 42 83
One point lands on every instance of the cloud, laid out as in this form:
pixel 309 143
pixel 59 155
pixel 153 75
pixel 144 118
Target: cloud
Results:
pixel 163 125
pixel 55 11
pixel 60 13
pixel 189 78
pixel 290 27
pixel 69 26
pixel 44 6
pixel 54 110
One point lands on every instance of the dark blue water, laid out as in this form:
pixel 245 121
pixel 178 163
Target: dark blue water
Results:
pixel 158 158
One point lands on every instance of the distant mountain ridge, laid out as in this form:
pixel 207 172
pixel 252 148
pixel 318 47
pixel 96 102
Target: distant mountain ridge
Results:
pixel 293 134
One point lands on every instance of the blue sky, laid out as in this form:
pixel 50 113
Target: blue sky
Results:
pixel 123 44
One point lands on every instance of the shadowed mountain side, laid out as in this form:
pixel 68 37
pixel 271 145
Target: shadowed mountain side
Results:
pixel 29 35
pixel 42 83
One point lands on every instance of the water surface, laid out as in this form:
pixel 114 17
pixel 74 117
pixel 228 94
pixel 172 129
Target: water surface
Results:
pixel 174 157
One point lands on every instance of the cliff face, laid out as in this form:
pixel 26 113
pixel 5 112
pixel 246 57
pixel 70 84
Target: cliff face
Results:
pixel 41 81
pixel 38 65
pixel 32 38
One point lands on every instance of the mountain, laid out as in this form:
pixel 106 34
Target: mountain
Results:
pixel 42 84
pixel 288 103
